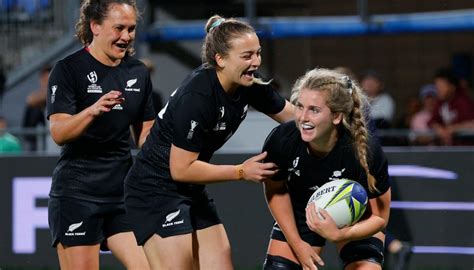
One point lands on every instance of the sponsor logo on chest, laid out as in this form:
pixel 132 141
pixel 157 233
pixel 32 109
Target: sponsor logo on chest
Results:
pixel 337 174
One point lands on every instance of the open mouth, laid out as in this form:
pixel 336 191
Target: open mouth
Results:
pixel 122 45
pixel 249 74
pixel 307 126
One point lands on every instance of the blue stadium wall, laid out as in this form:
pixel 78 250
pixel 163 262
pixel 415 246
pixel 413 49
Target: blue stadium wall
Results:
pixel 433 206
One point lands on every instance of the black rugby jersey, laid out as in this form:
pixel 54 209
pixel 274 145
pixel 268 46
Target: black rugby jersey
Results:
pixel 94 166
pixel 199 117
pixel 304 172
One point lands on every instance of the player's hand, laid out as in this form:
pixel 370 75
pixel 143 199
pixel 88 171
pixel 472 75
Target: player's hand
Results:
pixel 256 171
pixel 307 256
pixel 106 103
pixel 322 224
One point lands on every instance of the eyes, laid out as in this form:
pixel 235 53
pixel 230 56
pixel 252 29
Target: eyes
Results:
pixel 249 55
pixel 121 28
pixel 311 109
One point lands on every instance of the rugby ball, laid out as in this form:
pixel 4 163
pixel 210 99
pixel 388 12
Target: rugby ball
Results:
pixel 345 201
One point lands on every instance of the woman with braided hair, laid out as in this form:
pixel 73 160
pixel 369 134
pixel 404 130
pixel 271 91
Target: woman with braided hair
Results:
pixel 328 140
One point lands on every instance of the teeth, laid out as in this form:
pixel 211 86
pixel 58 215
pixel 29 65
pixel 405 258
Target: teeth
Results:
pixel 307 126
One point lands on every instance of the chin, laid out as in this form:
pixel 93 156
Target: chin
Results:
pixel 306 137
pixel 247 83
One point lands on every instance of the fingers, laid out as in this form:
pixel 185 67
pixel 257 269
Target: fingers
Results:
pixel 107 102
pixel 259 157
pixel 318 259
pixel 257 171
pixel 323 213
pixel 314 259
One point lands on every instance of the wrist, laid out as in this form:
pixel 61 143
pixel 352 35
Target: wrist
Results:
pixel 340 235
pixel 239 170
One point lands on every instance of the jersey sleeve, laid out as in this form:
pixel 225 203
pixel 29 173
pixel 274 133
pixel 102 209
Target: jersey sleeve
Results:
pixel 273 145
pixel 61 91
pixel 378 166
pixel 265 99
pixel 148 108
pixel 192 121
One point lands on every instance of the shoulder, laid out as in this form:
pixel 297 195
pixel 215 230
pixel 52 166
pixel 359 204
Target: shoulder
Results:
pixel 200 81
pixel 78 56
pixel 134 63
pixel 72 64
pixel 285 134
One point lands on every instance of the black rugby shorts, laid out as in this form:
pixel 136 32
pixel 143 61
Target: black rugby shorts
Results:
pixel 74 222
pixel 169 215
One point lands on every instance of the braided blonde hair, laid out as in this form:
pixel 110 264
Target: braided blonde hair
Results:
pixel 346 97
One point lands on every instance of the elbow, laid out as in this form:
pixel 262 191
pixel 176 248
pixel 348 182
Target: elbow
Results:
pixel 177 175
pixel 57 138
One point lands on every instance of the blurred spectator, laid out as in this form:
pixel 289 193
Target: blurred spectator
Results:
pixel 347 71
pixel 428 99
pixel 419 122
pixel 34 110
pixel 156 95
pixel 454 111
pixel 3 80
pixel 382 106
pixel 8 142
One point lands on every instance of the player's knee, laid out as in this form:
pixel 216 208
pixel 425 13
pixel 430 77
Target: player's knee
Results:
pixel 367 251
pixel 279 263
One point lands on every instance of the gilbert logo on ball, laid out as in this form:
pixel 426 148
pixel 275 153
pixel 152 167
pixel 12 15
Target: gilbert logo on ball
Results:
pixel 345 201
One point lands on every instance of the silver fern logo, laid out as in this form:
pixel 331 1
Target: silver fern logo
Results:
pixel 131 82
pixel 74 226
pixel 71 230
pixel 169 220
pixel 172 216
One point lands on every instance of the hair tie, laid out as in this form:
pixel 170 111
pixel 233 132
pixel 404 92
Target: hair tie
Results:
pixel 216 24
pixel 349 83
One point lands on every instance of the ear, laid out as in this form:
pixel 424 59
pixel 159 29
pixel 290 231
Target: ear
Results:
pixel 95 27
pixel 337 118
pixel 220 60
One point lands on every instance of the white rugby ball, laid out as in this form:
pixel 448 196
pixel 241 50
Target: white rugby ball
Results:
pixel 345 201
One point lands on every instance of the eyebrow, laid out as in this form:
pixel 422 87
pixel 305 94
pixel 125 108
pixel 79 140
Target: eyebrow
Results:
pixel 124 25
pixel 251 51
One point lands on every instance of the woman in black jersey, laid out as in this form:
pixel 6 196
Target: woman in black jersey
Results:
pixel 177 221
pixel 94 96
pixel 327 141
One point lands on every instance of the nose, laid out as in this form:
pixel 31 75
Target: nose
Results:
pixel 302 115
pixel 256 60
pixel 127 36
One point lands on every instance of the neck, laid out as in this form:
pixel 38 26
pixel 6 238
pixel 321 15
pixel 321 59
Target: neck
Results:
pixel 322 146
pixel 102 57
pixel 226 84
